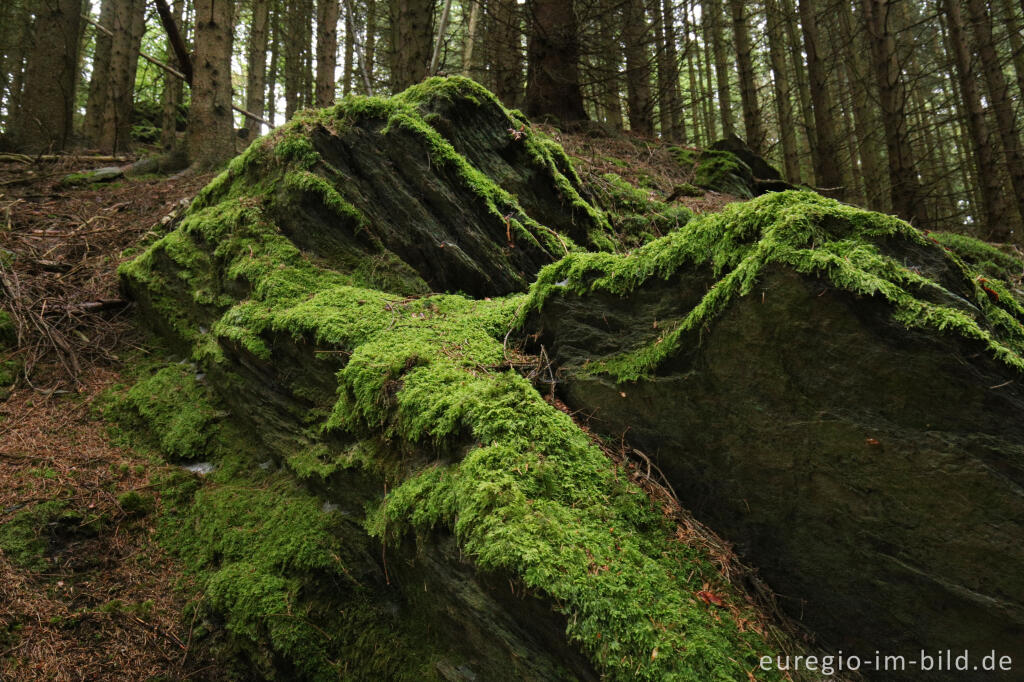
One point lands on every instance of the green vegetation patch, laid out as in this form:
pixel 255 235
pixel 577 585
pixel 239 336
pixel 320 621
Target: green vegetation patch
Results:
pixel 717 170
pixel 858 251
pixel 982 257
pixel 28 537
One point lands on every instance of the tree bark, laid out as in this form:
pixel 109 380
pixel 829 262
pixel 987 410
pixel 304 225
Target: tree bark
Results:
pixel 471 36
pixel 99 84
pixel 256 69
pixel 44 121
pixel 783 96
pixel 412 33
pixel 639 105
pixel 999 101
pixel 713 25
pixel 114 134
pixel 505 33
pixel 752 124
pixel 211 139
pixel 273 68
pixel 825 156
pixel 994 207
pixel 173 91
pixel 326 50
pixel 903 183
pixel 673 125
pixel 552 82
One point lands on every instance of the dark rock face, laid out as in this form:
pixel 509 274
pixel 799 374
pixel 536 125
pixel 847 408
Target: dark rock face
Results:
pixel 761 169
pixel 873 472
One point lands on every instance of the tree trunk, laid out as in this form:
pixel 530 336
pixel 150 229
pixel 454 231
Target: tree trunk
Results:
pixel 326 50
pixel 442 28
pixel 172 93
pixel 296 36
pixel 412 34
pixel 471 36
pixel 752 125
pixel 609 59
pixel 44 121
pixel 673 125
pixel 799 72
pixel 713 24
pixel 1013 33
pixel 350 50
pixel 15 33
pixel 99 84
pixel 999 100
pixel 257 67
pixel 903 182
pixel 113 135
pixel 826 155
pixel 639 104
pixel 696 111
pixel 273 68
pixel 505 33
pixel 783 96
pixel 994 207
pixel 211 138
pixel 369 54
pixel 553 82
pixel 865 127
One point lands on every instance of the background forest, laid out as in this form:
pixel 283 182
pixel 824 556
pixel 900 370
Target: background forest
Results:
pixel 901 106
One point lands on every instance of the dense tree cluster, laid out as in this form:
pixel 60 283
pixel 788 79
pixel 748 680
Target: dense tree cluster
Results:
pixel 904 106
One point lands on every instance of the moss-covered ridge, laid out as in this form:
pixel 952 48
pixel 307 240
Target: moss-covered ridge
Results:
pixel 425 398
pixel 927 285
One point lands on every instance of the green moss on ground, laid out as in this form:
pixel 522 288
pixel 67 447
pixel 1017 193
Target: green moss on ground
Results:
pixel 10 361
pixel 848 246
pixel 717 170
pixel 27 538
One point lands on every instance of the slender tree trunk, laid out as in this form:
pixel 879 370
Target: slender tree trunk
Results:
pixel 350 50
pixel 713 24
pixel 295 37
pixel 1014 32
pixel 709 89
pixel 639 104
pixel 114 135
pixel 326 50
pixel 44 121
pixel 553 81
pixel 994 208
pixel 505 33
pixel 99 85
pixel 668 74
pixel 257 67
pixel 471 36
pixel 827 170
pixel 412 33
pixel 15 33
pixel 800 80
pixel 783 97
pixel 903 182
pixel 696 111
pixel 370 52
pixel 308 85
pixel 172 93
pixel 442 29
pixel 273 68
pixel 999 100
pixel 865 126
pixel 211 139
pixel 752 125
pixel 609 58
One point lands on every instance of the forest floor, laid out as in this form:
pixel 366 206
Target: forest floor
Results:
pixel 106 602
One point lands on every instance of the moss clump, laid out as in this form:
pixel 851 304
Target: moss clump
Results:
pixel 852 248
pixel 10 362
pixel 173 405
pixel 717 170
pixel 635 216
pixel 30 535
pixel 981 257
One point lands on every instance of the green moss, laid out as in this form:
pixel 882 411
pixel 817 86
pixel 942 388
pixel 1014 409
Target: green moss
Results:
pixel 172 405
pixel 522 487
pixel 716 170
pixel 26 538
pixel 809 233
pixel 982 257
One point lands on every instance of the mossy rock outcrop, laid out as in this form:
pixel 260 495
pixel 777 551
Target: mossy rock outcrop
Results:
pixel 834 391
pixel 730 166
pixel 454 501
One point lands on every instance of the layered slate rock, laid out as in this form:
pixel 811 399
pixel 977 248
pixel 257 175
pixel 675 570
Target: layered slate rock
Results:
pixel 834 391
pixel 730 166
pixel 300 284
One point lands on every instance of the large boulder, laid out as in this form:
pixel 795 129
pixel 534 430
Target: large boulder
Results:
pixel 834 391
pixel 471 510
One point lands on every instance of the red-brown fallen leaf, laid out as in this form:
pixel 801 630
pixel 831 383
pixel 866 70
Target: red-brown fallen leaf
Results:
pixel 872 441
pixel 710 598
